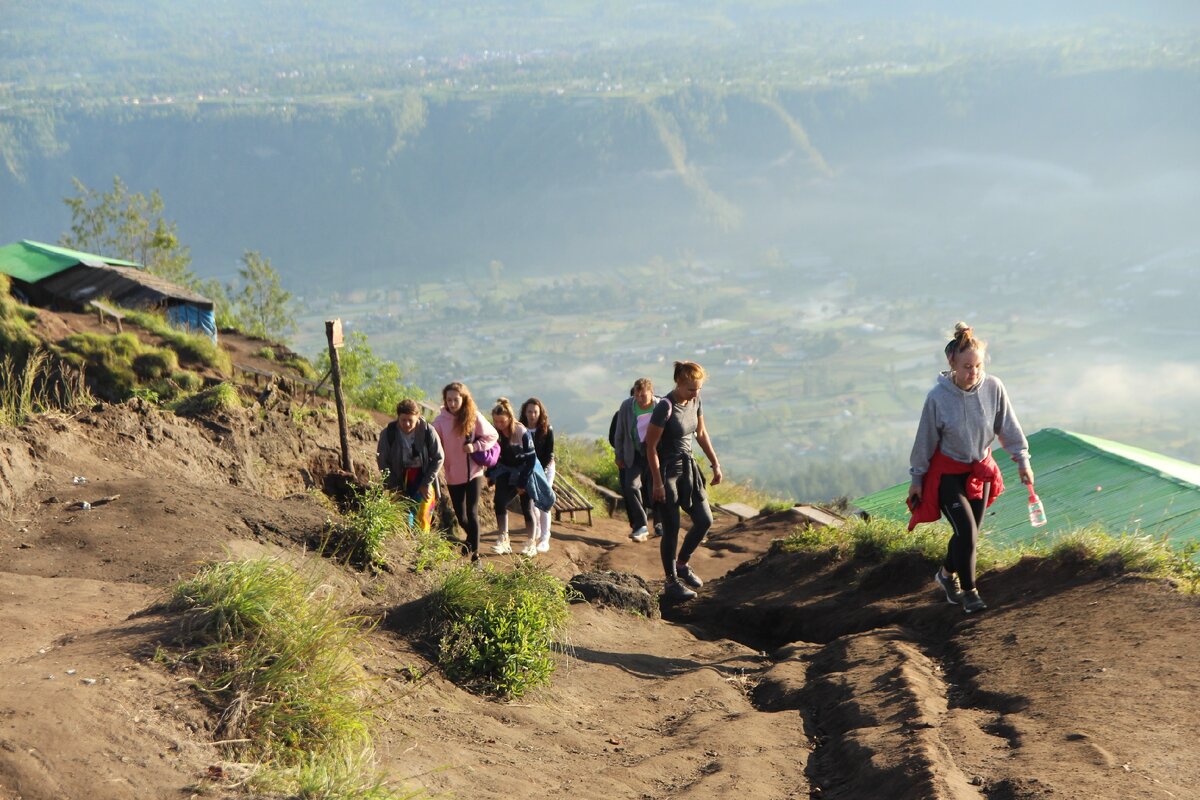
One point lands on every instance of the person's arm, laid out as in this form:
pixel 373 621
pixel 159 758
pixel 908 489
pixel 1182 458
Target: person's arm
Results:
pixel 653 433
pixel 485 435
pixel 381 451
pixel 924 445
pixel 436 457
pixel 614 431
pixel 706 445
pixel 1012 438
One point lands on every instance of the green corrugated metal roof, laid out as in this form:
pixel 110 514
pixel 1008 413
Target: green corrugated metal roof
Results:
pixel 1084 480
pixel 33 261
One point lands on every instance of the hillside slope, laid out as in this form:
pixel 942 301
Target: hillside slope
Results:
pixel 792 676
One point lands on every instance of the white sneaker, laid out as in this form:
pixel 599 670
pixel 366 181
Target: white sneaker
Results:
pixel 502 546
pixel 641 534
pixel 543 545
pixel 530 550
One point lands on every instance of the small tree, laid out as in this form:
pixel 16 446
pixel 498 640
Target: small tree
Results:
pixel 127 225
pixel 263 306
pixel 368 380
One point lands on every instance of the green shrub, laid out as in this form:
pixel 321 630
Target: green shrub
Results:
pixel 108 360
pixel 222 397
pixel 431 549
pixel 187 381
pixel 267 353
pixel 280 659
pixel 361 538
pixel 591 457
pixel 16 337
pixel 154 364
pixel 497 629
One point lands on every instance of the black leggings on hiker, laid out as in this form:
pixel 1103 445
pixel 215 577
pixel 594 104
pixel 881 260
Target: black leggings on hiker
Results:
pixel 465 499
pixel 681 494
pixel 965 517
pixel 633 490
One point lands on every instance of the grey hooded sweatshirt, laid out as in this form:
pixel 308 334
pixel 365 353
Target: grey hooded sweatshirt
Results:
pixel 965 422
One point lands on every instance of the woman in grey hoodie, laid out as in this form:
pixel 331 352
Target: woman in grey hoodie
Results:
pixel 953 472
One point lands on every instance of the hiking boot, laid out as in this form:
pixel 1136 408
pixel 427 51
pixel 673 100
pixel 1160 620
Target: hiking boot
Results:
pixel 502 546
pixel 530 549
pixel 972 602
pixel 641 534
pixel 687 576
pixel 677 592
pixel 951 586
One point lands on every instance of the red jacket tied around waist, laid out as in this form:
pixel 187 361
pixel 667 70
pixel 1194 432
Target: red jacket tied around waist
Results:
pixel 983 471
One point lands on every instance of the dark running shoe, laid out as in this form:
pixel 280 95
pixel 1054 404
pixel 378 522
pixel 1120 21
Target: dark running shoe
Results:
pixel 687 576
pixel 950 586
pixel 972 602
pixel 677 592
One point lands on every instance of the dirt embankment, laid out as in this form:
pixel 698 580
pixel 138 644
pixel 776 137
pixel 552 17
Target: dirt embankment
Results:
pixel 791 677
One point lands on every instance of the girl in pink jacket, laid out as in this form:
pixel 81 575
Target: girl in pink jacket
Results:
pixel 463 430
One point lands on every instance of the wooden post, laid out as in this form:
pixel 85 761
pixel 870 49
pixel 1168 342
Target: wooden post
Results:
pixel 333 332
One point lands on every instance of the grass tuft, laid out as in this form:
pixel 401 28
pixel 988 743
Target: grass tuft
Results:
pixel 497 629
pixel 361 538
pixel 274 652
pixel 280 660
pixel 215 399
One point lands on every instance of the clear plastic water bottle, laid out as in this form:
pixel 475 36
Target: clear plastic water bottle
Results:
pixel 1037 513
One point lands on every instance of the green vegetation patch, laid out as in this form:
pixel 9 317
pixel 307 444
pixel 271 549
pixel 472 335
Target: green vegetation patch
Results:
pixel 497 629
pixel 222 397
pixel 280 661
pixel 16 337
pixel 278 657
pixel 191 348
pixel 878 540
pixel 362 536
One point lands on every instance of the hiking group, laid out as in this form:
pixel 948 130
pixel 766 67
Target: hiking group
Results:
pixel 952 469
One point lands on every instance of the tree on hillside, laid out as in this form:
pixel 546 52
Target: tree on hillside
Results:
pixel 127 225
pixel 262 307
pixel 368 380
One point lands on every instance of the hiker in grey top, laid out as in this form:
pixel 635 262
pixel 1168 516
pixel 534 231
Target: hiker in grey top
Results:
pixel 678 482
pixel 629 450
pixel 951 460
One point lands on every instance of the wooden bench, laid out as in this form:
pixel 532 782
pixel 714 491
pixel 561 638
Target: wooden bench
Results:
pixel 103 308
pixel 612 500
pixel 568 500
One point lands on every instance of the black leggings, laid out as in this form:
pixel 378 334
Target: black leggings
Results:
pixel 965 517
pixel 680 494
pixel 633 489
pixel 465 499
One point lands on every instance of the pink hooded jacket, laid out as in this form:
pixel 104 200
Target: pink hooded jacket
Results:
pixel 461 468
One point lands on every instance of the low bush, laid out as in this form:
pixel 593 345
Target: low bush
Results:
pixel 361 537
pixel 591 457
pixel 222 397
pixel 496 629
pixel 280 660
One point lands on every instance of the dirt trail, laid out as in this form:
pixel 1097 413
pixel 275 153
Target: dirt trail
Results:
pixel 791 676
